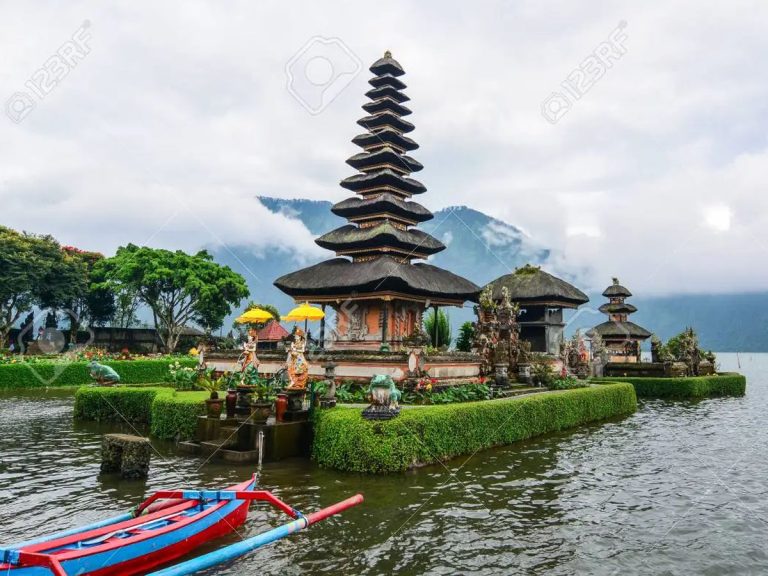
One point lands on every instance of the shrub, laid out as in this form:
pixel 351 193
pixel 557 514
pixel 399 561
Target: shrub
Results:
pixel 542 370
pixel 171 414
pixel 345 441
pixel 101 403
pixel 567 383
pixel 691 387
pixel 350 393
pixel 447 395
pixel 181 376
pixel 43 373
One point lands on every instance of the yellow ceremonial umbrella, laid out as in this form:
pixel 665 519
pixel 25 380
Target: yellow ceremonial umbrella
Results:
pixel 304 312
pixel 253 316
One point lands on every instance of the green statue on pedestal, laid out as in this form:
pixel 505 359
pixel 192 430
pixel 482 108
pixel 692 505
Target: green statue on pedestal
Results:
pixel 384 396
pixel 104 375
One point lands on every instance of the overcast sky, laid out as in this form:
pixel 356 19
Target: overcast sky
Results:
pixel 629 137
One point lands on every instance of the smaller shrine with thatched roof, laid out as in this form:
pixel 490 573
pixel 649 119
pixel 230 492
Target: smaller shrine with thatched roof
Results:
pixel 541 298
pixel 620 337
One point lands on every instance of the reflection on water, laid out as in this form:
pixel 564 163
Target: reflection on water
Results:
pixel 676 488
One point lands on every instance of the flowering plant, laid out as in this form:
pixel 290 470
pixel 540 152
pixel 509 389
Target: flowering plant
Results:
pixel 425 383
pixel 182 377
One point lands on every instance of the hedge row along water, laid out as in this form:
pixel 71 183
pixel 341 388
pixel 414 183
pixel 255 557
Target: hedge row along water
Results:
pixel 724 384
pixel 345 441
pixel 42 374
pixel 170 414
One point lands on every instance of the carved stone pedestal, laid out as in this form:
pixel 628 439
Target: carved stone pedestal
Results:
pixel 126 454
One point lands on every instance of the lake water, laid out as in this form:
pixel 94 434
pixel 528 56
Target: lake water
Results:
pixel 677 488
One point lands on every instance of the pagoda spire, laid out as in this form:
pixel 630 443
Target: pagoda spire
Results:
pixel 375 251
pixel 381 217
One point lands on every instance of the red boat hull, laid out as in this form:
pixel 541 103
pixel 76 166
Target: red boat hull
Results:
pixel 172 553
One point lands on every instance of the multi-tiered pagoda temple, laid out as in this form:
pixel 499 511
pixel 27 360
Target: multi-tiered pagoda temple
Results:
pixel 620 336
pixel 376 289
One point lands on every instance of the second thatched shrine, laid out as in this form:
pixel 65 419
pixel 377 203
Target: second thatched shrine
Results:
pixel 541 299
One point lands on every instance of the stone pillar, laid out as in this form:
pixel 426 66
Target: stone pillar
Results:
pixel 329 399
pixel 126 454
pixel 322 329
pixel 435 328
pixel 384 345
pixel 384 320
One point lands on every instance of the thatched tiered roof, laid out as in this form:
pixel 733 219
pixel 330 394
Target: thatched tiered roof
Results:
pixel 613 330
pixel 338 278
pixel 381 238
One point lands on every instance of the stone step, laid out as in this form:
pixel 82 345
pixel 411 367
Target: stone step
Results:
pixel 211 446
pixel 226 432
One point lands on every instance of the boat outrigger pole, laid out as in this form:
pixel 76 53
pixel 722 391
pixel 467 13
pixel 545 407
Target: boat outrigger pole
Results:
pixel 240 548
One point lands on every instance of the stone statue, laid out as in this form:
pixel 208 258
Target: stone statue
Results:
pixel 384 397
pixel 497 335
pixel 573 353
pixel 524 353
pixel 104 375
pixel 248 355
pixel 690 354
pixel 296 364
pixel 486 331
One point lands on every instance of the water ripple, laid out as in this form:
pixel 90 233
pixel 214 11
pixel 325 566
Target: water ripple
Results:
pixel 676 488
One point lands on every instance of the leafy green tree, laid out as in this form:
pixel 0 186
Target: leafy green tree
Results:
pixel 178 288
pixel 443 328
pixel 33 272
pixel 126 307
pixel 85 303
pixel 466 336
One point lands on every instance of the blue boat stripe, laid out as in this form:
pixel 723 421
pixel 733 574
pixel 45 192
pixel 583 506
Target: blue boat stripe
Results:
pixel 10 556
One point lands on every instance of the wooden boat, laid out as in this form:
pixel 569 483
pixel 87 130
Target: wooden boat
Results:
pixel 166 526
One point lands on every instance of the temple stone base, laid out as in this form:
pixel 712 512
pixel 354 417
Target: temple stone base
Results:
pixel 362 366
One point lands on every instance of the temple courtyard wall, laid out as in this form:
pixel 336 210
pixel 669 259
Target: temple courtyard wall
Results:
pixel 363 365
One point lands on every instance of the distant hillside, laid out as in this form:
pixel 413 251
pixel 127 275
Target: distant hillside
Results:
pixel 482 248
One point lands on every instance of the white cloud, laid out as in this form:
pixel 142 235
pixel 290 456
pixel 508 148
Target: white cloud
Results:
pixel 180 115
pixel 718 217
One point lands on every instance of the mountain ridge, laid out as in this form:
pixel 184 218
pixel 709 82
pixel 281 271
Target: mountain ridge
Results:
pixel 490 248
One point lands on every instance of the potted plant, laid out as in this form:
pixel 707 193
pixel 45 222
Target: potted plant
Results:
pixel 213 404
pixel 231 380
pixel 261 405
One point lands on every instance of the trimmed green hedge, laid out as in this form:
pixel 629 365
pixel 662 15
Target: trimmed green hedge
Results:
pixel 171 414
pixel 175 416
pixel 345 441
pixel 103 403
pixel 43 374
pixel 724 384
